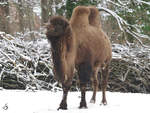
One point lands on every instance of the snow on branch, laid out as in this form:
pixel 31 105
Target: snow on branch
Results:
pixel 28 63
pixel 25 61
pixel 144 2
pixel 124 3
pixel 125 27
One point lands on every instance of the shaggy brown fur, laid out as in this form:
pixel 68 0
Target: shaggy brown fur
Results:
pixel 63 46
pixel 83 45
pixel 94 17
pixel 94 48
pixel 94 20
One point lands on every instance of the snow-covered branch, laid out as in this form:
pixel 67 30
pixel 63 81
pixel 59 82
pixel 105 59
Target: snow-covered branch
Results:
pixel 25 61
pixel 125 27
pixel 144 2
pixel 27 65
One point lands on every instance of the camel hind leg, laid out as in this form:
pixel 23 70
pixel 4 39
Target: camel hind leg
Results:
pixel 95 84
pixel 104 80
pixel 84 71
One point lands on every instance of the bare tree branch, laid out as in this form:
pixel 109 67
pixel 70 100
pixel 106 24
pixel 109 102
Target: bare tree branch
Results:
pixel 125 27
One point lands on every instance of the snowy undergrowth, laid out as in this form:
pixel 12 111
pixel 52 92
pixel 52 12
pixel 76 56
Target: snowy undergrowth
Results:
pixel 25 59
pixel 47 102
pixel 28 60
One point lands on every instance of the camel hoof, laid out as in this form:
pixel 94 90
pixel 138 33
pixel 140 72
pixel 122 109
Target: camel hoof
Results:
pixel 103 103
pixel 83 105
pixel 92 101
pixel 62 106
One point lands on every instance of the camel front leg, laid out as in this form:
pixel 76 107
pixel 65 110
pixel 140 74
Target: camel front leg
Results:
pixel 83 92
pixel 63 104
pixel 66 87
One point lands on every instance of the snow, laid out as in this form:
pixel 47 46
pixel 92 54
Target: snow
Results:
pixel 3 3
pixel 37 10
pixel 47 102
pixel 141 1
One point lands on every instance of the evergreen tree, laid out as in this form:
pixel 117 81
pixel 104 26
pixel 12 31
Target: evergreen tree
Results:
pixel 71 4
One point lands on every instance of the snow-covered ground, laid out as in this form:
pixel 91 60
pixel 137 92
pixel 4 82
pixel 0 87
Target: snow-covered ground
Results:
pixel 47 102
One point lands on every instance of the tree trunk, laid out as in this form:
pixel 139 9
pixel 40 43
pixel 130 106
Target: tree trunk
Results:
pixel 21 20
pixel 45 11
pixel 4 16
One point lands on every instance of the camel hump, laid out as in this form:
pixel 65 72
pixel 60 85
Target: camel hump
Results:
pixel 94 17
